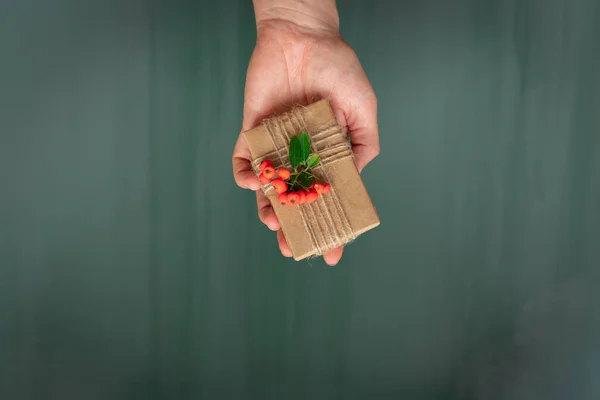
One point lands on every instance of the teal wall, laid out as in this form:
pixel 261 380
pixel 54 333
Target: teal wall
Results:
pixel 132 267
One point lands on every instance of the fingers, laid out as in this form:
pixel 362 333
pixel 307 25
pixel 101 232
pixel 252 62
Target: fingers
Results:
pixel 265 212
pixel 333 257
pixel 364 154
pixel 364 132
pixel 242 170
pixel 268 217
pixel 283 246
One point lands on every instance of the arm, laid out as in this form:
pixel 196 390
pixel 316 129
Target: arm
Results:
pixel 320 15
pixel 299 58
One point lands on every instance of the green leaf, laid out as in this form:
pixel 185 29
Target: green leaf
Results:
pixel 295 153
pixel 301 180
pixel 305 179
pixel 304 146
pixel 313 161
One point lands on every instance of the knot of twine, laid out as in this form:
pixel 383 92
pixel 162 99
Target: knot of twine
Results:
pixel 324 220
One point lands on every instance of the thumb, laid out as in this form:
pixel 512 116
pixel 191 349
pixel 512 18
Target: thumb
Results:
pixel 364 132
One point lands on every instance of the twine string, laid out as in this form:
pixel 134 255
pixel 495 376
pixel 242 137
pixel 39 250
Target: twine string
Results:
pixel 324 220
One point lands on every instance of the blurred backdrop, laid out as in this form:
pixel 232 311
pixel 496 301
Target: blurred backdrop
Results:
pixel 132 267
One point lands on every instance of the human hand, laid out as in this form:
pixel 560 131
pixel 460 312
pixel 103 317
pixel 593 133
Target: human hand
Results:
pixel 301 62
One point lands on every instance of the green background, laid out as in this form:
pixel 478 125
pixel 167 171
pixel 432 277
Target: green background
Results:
pixel 132 267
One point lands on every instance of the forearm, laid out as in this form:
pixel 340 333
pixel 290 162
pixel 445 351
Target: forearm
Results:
pixel 312 14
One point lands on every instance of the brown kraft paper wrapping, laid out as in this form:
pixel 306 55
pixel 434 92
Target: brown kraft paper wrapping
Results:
pixel 337 217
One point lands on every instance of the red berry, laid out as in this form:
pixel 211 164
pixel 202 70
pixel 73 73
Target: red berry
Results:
pixel 263 179
pixel 319 188
pixel 284 173
pixel 326 187
pixel 269 171
pixel 265 164
pixel 302 195
pixel 312 196
pixel 283 199
pixel 279 185
pixel 293 199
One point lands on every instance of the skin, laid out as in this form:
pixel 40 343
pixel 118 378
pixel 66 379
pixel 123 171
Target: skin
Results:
pixel 300 58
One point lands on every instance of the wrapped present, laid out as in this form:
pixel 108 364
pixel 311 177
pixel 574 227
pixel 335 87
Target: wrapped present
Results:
pixel 335 218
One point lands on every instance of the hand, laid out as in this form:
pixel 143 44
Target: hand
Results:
pixel 299 63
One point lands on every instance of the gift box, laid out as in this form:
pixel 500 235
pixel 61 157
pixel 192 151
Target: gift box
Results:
pixel 335 218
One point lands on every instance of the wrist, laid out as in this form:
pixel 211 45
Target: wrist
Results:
pixel 311 15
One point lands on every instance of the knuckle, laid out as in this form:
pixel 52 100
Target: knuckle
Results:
pixel 238 181
pixel 261 216
pixel 374 100
pixel 376 150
